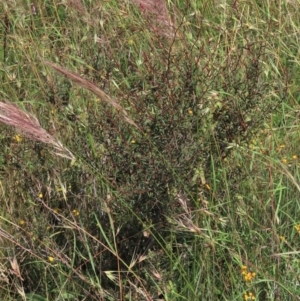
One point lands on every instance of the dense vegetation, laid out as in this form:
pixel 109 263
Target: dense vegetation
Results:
pixel 156 153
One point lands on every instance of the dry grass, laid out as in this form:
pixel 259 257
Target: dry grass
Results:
pixel 171 211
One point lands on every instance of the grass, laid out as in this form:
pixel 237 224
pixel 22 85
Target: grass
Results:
pixel 175 168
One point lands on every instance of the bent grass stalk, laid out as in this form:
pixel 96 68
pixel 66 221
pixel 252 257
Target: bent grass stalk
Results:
pixel 11 114
pixel 93 88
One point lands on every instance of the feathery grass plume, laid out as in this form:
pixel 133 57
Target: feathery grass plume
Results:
pixel 84 83
pixel 12 115
pixel 77 5
pixel 157 10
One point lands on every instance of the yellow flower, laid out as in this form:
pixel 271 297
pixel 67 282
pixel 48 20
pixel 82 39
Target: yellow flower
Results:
pixel 247 276
pixel 21 222
pixel 297 228
pixel 133 141
pixel 50 258
pixel 249 296
pixel 284 160
pixel 40 195
pixel 282 238
pixel 18 138
pixel 295 157
pixel 75 212
pixel 190 112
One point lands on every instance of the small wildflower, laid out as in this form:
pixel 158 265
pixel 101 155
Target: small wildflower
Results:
pixel 133 141
pixel 284 161
pixel 190 112
pixel 21 222
pixel 295 157
pixel 50 258
pixel 18 138
pixel 297 228
pixel 280 147
pixel 40 195
pixel 75 212
pixel 282 238
pixel 130 42
pixel 247 276
pixel 249 296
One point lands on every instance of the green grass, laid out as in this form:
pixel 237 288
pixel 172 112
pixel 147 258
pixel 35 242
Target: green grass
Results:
pixel 187 159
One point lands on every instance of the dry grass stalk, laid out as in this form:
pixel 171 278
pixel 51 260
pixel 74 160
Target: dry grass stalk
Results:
pixel 12 115
pixel 84 83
